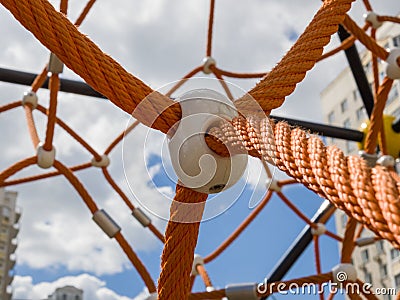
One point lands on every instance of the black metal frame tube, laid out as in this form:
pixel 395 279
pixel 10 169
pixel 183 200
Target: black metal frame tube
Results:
pixel 302 241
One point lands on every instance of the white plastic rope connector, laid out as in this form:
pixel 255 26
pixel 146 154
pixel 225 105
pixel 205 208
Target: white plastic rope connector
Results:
pixel 386 161
pixel 208 62
pixel 343 272
pixel 45 158
pixel 30 98
pixel 320 229
pixel 55 65
pixel 241 291
pixel 273 185
pixel 141 217
pixel 102 163
pixel 369 158
pixel 373 19
pixel 195 164
pixel 106 223
pixel 392 67
pixel 197 260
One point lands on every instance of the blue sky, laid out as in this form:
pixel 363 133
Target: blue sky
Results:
pixel 159 42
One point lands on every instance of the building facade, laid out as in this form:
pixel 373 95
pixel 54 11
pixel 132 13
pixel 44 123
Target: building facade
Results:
pixel 67 293
pixel 377 263
pixel 9 218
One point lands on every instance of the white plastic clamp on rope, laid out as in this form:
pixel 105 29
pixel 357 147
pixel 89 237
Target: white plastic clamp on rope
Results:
pixel 373 19
pixel 365 241
pixel 139 215
pixel 392 67
pixel 386 161
pixel 195 164
pixel 320 229
pixel 369 158
pixel 208 62
pixel 152 296
pixel 31 98
pixel 55 65
pixel 102 163
pixel 45 159
pixel 343 272
pixel 272 184
pixel 106 223
pixel 241 291
pixel 197 260
pixel 397 165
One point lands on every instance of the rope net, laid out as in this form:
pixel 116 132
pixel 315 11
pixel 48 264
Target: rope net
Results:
pixel 368 195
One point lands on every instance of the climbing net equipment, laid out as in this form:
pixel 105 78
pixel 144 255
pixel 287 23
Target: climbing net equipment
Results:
pixel 367 193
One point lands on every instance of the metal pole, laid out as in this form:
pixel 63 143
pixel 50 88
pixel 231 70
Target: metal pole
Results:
pixel 81 88
pixel 66 85
pixel 288 259
pixel 358 72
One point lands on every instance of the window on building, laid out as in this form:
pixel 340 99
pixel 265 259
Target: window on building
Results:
pixel 347 123
pixel 356 95
pixel 383 270
pixel 396 113
pixel 368 277
pixel 64 297
pixel 343 220
pixel 77 297
pixel 344 105
pixel 361 113
pixel 394 253
pixel 396 41
pixel 381 76
pixel 350 146
pixel 364 256
pixel 393 94
pixel 380 246
pixel 397 280
pixel 331 117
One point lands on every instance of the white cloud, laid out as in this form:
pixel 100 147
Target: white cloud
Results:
pixel 93 288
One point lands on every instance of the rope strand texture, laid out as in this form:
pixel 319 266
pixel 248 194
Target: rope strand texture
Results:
pixel 368 195
pixel 180 242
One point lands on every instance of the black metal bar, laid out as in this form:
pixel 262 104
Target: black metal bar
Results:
pixel 325 130
pixel 396 125
pixel 66 85
pixel 357 69
pixel 299 245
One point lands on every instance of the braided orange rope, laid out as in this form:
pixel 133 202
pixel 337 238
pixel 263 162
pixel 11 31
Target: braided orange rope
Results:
pixel 54 84
pixel 180 241
pixel 324 170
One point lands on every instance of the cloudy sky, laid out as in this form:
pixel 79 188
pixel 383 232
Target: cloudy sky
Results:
pixel 158 41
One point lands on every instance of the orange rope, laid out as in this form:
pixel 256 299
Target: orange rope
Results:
pixel 51 123
pixel 120 137
pixel 365 39
pixel 388 19
pixel 210 28
pixel 348 241
pixel 136 262
pixel 180 241
pixel 324 170
pixel 10 106
pixel 77 185
pixel 240 229
pixel 31 125
pixel 271 91
pixel 183 80
pixel 45 175
pixel 64 6
pixel 376 116
pixel 10 171
pixel 367 5
pixel 73 134
pixel 204 275
pixel 84 12
pixel 39 80
pixel 294 208
pixel 238 75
